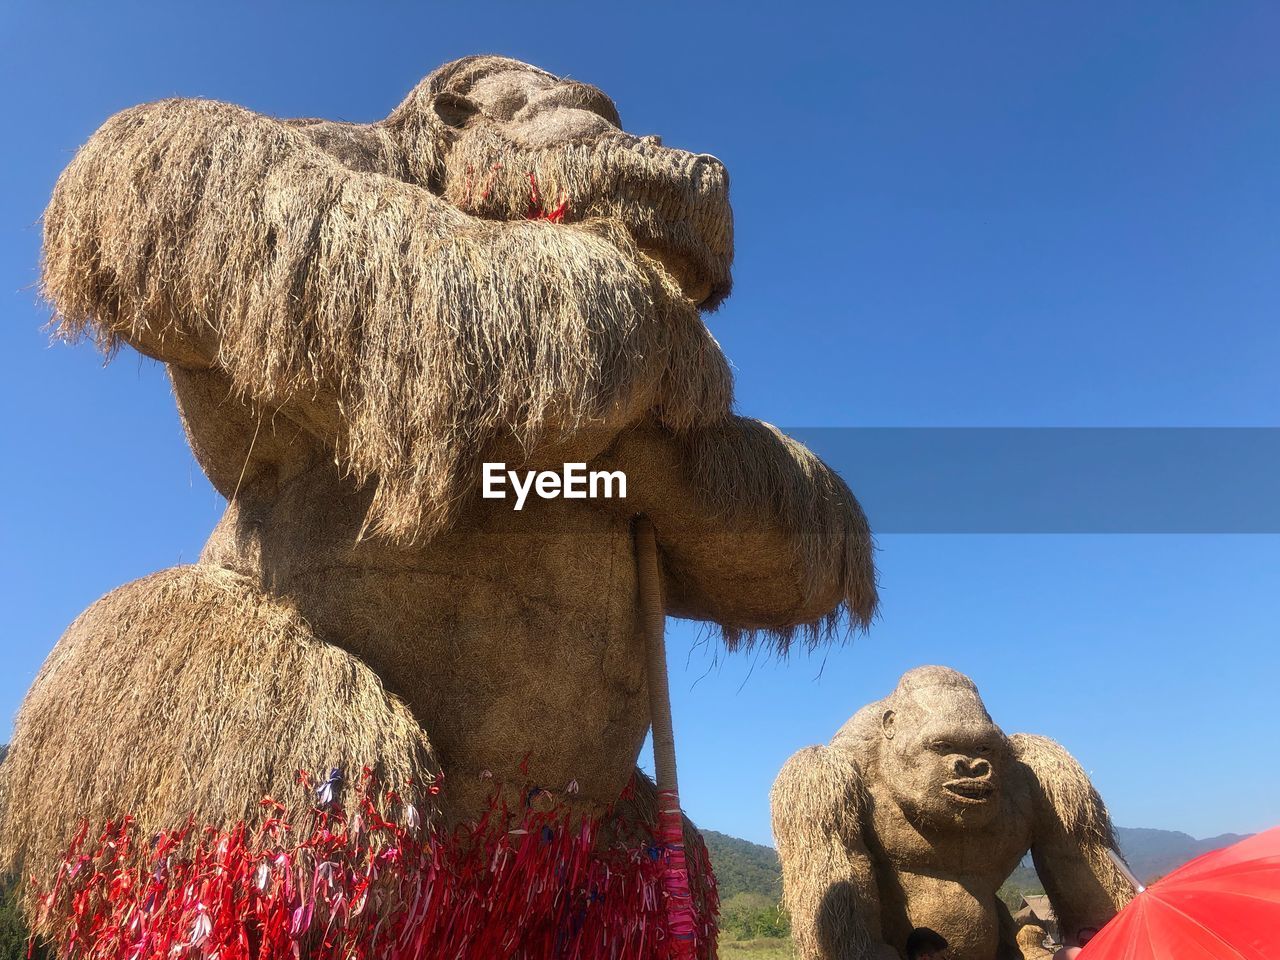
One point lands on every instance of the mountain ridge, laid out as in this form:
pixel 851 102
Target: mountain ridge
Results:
pixel 742 866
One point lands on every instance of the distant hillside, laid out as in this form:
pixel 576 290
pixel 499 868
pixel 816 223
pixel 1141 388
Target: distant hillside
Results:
pixel 745 867
pixel 1153 853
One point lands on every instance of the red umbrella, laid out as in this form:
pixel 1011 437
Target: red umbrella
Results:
pixel 1224 905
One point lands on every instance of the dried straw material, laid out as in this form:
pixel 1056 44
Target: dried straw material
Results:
pixel 758 535
pixel 140 712
pixel 1082 881
pixel 761 472
pixel 407 335
pixel 382 289
pixel 354 317
pixel 916 813
pixel 819 804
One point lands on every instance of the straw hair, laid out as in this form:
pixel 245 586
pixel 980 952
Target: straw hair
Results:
pixel 1067 790
pixel 1096 888
pixel 137 711
pixel 761 472
pixel 819 804
pixel 668 200
pixel 377 288
pixel 403 332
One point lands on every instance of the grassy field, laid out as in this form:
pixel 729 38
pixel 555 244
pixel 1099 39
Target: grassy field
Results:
pixel 764 949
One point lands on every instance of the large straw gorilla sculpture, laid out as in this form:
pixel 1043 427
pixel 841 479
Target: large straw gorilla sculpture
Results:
pixel 354 318
pixel 916 813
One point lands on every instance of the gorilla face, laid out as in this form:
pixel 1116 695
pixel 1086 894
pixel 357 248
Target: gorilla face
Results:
pixel 528 144
pixel 942 758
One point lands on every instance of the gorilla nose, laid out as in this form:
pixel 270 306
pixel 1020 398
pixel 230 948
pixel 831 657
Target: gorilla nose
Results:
pixel 978 769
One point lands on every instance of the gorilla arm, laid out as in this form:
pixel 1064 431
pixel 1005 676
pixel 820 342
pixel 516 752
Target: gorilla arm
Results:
pixel 757 534
pixel 1071 834
pixel 404 335
pixel 828 881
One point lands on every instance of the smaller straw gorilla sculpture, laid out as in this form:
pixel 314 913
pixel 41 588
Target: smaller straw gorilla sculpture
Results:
pixel 916 813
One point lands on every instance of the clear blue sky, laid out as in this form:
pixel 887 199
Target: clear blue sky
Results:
pixel 1002 214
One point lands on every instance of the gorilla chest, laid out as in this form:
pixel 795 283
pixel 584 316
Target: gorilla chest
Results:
pixel 945 876
pixel 514 638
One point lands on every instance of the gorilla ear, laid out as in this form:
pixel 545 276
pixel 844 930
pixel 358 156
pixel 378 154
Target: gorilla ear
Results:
pixel 453 109
pixel 887 724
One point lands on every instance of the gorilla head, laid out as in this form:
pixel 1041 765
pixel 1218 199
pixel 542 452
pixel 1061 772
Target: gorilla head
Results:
pixel 497 136
pixel 941 756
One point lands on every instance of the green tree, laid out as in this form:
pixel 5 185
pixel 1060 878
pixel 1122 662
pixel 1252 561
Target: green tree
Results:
pixel 14 936
pixel 752 916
